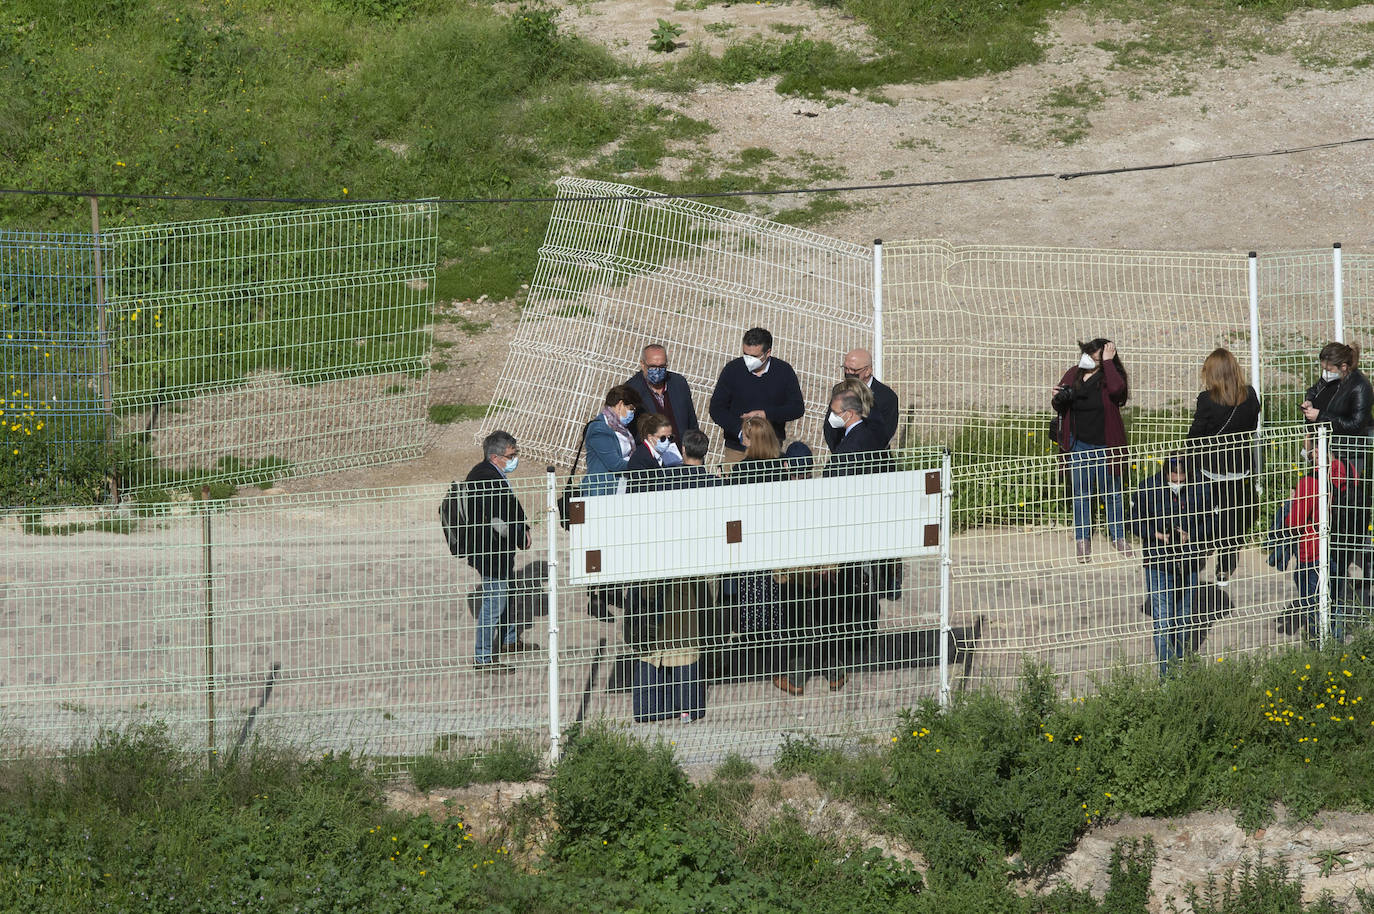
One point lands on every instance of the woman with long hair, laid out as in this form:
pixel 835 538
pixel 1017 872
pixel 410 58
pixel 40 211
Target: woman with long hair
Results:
pixel 1092 435
pixel 1222 448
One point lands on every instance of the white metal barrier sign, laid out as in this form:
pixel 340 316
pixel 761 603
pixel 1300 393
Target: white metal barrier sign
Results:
pixel 754 526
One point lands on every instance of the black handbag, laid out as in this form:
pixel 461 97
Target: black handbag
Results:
pixel 565 500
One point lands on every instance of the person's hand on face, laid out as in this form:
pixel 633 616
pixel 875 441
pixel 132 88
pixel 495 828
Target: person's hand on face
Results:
pixel 1108 352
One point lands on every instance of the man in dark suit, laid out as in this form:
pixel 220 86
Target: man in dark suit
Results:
pixel 498 528
pixel 860 448
pixel 882 421
pixel 664 392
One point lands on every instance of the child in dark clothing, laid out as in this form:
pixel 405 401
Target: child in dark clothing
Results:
pixel 1171 515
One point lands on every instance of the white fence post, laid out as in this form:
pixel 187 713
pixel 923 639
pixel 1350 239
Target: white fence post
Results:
pixel 1338 293
pixel 1323 533
pixel 945 563
pixel 878 308
pixel 1255 380
pixel 551 521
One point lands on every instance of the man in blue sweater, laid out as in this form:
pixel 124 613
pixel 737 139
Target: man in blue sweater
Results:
pixel 756 384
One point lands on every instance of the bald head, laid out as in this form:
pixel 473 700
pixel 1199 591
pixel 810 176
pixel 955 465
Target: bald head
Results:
pixel 858 363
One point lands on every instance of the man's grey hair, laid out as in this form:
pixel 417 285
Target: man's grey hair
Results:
pixel 495 444
pixel 848 400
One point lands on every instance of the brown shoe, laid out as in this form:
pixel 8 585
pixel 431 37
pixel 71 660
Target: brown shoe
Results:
pixel 837 684
pixel 1085 550
pixel 787 685
pixel 493 667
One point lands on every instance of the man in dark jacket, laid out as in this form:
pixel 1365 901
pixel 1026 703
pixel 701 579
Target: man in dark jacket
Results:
pixel 498 528
pixel 1171 515
pixel 664 392
pixel 882 421
pixel 755 384
pixel 859 449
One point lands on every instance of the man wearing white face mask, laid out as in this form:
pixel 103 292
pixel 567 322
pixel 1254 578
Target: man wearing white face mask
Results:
pixel 755 385
pixel 498 528
pixel 860 449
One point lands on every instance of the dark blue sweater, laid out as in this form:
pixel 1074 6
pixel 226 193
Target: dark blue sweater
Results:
pixel 739 391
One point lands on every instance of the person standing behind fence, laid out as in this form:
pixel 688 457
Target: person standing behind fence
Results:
pixel 1304 509
pixel 883 416
pixel 665 392
pixel 1348 404
pixel 609 443
pixel 1348 401
pixel 755 385
pixel 1228 406
pixel 645 469
pixel 1088 399
pixel 498 527
pixel 860 447
pixel 1172 516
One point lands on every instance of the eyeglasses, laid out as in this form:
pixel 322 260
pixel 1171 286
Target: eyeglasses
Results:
pixel 665 437
pixel 854 372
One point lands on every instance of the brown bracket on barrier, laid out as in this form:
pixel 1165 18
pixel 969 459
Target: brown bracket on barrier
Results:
pixel 932 535
pixel 734 531
pixel 577 512
pixel 933 482
pixel 593 561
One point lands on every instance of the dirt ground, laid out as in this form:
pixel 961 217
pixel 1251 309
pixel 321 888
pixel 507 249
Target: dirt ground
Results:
pixel 1219 103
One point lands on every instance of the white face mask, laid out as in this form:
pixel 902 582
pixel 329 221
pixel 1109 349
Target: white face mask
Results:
pixel 1176 487
pixel 753 363
pixel 1330 375
pixel 835 421
pixel 1086 362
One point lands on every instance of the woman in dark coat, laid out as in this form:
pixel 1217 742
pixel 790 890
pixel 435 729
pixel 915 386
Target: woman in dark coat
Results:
pixel 1222 446
pixel 1343 400
pixel 1092 435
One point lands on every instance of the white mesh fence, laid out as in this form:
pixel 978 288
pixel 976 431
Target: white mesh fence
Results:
pixel 349 606
pixel 616 275
pixel 975 337
pixel 274 345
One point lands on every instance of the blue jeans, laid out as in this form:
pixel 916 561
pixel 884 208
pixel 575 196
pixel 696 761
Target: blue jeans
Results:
pixel 1171 605
pixel 494 597
pixel 1090 474
pixel 1306 577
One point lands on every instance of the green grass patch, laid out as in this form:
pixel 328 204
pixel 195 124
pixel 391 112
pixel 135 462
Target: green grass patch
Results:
pixel 448 413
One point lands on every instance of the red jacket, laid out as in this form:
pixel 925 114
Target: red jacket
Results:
pixel 1302 510
pixel 1113 387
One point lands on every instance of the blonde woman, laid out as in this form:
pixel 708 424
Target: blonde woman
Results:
pixel 1222 444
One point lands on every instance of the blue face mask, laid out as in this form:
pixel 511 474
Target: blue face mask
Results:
pixel 656 374
pixel 511 464
pixel 627 418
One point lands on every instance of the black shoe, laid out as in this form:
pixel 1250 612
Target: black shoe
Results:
pixel 518 646
pixel 493 667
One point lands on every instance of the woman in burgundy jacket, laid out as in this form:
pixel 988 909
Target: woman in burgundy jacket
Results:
pixel 1088 400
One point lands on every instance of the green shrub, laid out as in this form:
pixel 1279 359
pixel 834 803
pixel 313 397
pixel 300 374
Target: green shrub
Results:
pixel 648 788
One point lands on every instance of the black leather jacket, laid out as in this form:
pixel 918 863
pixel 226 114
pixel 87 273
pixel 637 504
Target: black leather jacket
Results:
pixel 1348 410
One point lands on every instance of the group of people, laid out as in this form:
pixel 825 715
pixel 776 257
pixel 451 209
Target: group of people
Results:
pixel 1202 502
pixel 647 437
